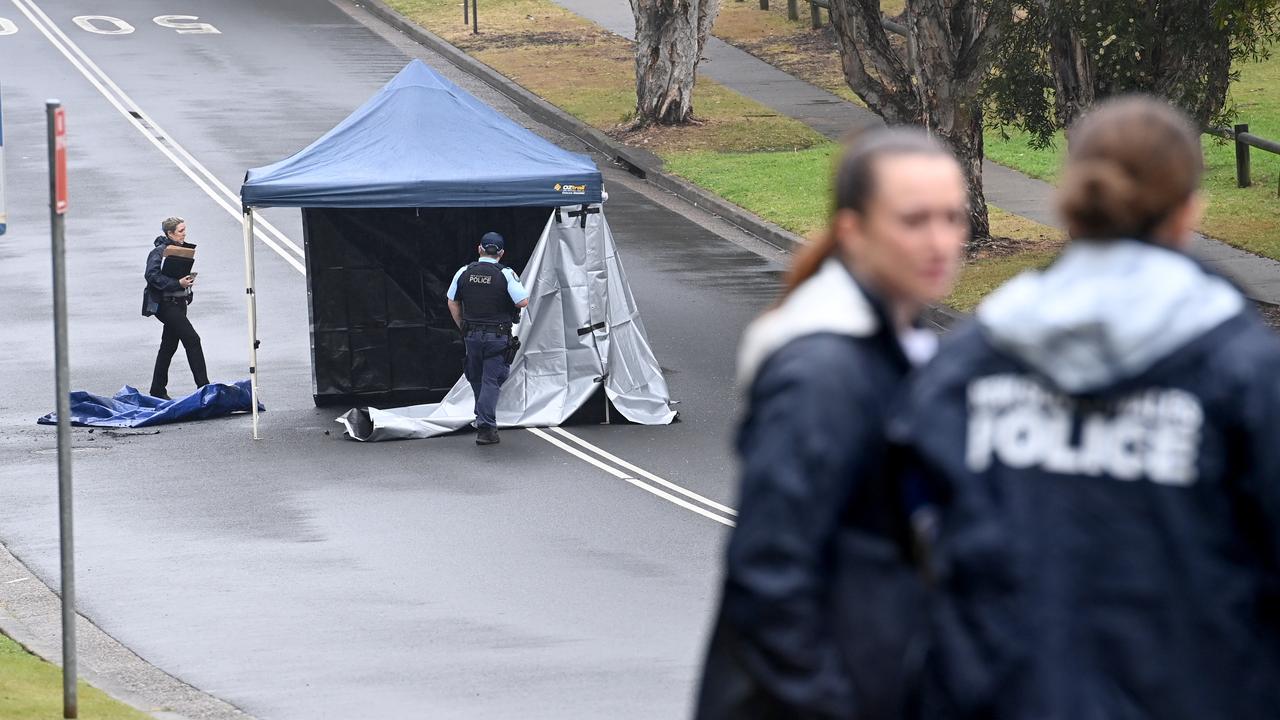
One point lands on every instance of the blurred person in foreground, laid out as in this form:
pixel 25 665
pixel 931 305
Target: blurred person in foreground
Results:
pixel 1107 434
pixel 815 619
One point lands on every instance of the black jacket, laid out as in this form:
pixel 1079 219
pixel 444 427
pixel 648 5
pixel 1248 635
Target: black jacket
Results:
pixel 821 601
pixel 157 282
pixel 1108 435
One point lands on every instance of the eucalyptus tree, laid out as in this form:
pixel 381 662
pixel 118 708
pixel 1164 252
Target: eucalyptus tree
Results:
pixel 670 38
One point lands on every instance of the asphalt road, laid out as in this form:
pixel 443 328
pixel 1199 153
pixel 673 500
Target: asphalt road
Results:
pixel 306 576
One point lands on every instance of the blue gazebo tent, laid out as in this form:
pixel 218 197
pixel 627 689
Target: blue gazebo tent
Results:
pixel 394 199
pixel 424 142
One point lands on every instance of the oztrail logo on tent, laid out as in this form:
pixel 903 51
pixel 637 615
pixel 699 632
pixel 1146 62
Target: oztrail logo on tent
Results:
pixel 564 189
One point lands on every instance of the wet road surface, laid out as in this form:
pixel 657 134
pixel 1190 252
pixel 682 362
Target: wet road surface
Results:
pixel 305 576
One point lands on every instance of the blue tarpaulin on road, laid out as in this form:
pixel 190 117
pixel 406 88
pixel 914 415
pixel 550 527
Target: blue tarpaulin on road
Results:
pixel 130 408
pixel 424 142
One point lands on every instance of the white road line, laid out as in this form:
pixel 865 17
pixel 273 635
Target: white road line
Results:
pixel 623 476
pixel 230 202
pixel 192 168
pixel 644 473
pixel 134 107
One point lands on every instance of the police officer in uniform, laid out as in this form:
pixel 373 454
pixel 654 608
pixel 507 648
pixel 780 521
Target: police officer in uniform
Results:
pixel 485 300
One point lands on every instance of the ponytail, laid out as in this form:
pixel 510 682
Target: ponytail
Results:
pixel 809 260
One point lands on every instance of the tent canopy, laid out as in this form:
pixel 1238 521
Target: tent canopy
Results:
pixel 424 142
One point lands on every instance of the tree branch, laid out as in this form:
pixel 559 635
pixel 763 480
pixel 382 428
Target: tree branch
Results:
pixel 872 68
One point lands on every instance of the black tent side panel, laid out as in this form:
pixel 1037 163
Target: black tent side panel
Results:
pixel 381 333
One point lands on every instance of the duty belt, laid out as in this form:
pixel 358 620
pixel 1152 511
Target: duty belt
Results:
pixel 499 328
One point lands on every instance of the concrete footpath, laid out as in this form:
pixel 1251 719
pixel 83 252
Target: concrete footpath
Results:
pixel 832 115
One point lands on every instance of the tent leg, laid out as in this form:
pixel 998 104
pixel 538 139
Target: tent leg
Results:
pixel 252 303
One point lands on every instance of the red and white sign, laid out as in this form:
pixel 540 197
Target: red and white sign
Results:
pixel 60 161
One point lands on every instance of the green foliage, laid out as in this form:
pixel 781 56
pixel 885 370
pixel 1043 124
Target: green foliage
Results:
pixel 1186 51
pixel 1019 92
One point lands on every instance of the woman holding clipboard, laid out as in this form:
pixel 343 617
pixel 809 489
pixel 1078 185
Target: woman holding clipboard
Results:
pixel 168 293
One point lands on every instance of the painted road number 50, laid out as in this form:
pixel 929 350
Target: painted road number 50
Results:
pixel 107 25
pixel 94 24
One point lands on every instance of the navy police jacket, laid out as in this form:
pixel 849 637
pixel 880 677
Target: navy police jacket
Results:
pixel 821 607
pixel 1108 436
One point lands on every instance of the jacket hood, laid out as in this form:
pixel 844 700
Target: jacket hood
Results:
pixel 828 302
pixel 1105 312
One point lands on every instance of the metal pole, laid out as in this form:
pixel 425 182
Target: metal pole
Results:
pixel 62 382
pixel 764 4
pixel 793 9
pixel 1243 178
pixel 475 18
pixel 466 12
pixel 251 300
pixel 815 16
pixel 3 218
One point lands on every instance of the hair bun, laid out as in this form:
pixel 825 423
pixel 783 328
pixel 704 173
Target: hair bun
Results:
pixel 1131 162
pixel 1098 199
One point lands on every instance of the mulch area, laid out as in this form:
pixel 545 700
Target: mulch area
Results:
pixel 997 247
pixel 499 40
pixel 1270 313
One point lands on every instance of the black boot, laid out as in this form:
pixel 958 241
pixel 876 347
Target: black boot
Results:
pixel 487 436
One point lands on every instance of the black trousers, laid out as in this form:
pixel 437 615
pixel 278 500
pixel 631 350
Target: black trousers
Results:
pixel 177 329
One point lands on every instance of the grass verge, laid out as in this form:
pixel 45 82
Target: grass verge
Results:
pixel 796 197
pixel 32 688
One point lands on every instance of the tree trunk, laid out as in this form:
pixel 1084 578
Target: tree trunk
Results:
pixel 1072 69
pixel 670 38
pixel 875 72
pixel 1195 73
pixel 950 48
pixel 936 83
pixel 962 130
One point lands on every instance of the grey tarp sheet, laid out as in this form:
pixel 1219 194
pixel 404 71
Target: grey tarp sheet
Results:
pixel 581 324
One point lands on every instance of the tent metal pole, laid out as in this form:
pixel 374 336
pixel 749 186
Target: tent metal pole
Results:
pixel 252 305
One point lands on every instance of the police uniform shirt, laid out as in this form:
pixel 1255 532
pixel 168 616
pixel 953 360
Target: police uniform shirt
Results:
pixel 515 290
